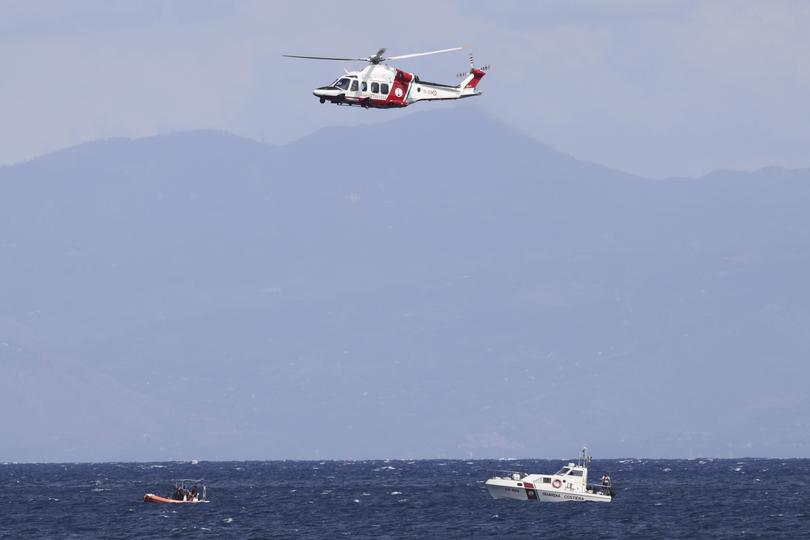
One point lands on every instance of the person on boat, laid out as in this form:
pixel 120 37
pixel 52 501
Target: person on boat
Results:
pixel 194 493
pixel 605 483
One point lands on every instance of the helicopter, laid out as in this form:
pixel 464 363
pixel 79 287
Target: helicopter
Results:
pixel 380 86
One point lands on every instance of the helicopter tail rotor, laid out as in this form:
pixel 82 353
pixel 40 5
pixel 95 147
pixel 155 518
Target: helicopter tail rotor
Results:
pixel 471 78
pixel 474 74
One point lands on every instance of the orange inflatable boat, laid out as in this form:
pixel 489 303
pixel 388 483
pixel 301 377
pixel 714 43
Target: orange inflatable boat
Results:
pixel 152 498
pixel 181 494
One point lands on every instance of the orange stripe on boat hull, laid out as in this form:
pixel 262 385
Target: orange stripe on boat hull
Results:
pixel 152 498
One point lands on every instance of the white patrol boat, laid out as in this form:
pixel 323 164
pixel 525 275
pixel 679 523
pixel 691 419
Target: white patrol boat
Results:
pixel 568 484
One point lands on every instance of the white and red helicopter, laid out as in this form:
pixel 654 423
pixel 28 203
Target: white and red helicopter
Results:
pixel 383 87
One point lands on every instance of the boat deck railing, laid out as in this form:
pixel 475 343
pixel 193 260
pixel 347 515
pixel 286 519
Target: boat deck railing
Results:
pixel 600 489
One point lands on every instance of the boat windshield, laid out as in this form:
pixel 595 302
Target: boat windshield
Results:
pixel 563 471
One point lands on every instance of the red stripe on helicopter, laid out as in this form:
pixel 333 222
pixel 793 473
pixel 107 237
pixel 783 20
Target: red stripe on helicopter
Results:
pixel 477 76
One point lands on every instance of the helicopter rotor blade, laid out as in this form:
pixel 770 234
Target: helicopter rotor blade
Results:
pixel 326 58
pixel 401 56
pixel 374 59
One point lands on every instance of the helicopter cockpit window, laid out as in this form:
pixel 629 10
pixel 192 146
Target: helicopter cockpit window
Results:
pixel 384 88
pixel 375 88
pixel 354 85
pixel 343 84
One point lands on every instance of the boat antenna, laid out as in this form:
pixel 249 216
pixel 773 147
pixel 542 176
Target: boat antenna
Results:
pixel 583 457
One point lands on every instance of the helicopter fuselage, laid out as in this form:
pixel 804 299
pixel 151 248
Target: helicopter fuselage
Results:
pixel 383 87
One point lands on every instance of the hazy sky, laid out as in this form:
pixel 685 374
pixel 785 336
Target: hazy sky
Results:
pixel 654 87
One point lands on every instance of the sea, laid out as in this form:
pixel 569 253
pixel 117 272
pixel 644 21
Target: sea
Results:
pixel 696 498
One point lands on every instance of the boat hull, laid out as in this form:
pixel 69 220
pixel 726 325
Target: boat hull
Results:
pixel 152 498
pixel 500 488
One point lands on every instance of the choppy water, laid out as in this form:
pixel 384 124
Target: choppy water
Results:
pixel 749 498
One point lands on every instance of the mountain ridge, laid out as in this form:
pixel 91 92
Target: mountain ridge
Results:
pixel 337 297
pixel 331 130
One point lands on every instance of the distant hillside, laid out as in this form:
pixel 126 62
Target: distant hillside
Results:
pixel 436 286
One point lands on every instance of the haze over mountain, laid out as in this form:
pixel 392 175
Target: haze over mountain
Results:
pixel 406 289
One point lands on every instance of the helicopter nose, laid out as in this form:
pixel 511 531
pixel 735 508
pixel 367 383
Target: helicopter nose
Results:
pixel 326 92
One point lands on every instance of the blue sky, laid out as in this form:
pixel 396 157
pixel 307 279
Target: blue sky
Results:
pixel 653 87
